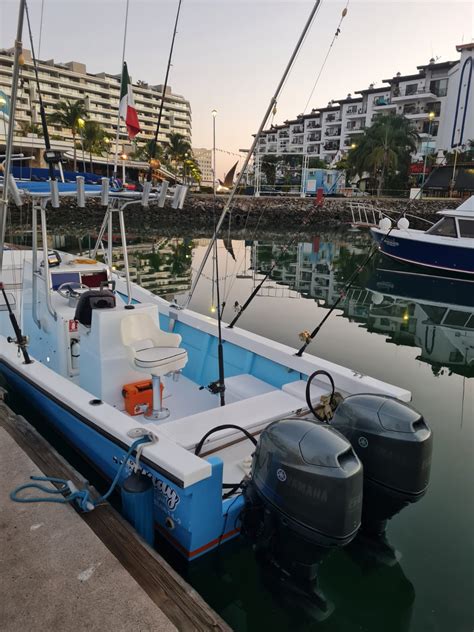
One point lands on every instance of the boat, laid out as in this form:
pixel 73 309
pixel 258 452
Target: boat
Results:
pixel 219 430
pixel 447 245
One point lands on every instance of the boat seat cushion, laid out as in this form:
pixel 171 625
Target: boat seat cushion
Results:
pixel 152 357
pixel 246 385
pixel 253 414
pixel 298 389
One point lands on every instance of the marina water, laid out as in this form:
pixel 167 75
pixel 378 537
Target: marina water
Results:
pixel 398 325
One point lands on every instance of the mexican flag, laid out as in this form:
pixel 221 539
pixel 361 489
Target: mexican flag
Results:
pixel 127 105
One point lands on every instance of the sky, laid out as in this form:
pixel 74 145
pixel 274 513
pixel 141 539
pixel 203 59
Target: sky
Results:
pixel 230 54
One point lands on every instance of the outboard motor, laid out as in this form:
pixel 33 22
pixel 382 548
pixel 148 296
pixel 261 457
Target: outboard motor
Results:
pixel 394 444
pixel 304 497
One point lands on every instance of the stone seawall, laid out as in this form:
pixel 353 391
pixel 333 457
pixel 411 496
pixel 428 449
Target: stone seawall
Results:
pixel 268 213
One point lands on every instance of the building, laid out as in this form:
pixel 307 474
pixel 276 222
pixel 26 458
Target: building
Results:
pixel 101 91
pixel 444 89
pixel 204 159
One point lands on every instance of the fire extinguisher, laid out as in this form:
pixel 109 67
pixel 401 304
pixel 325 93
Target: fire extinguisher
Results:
pixel 75 353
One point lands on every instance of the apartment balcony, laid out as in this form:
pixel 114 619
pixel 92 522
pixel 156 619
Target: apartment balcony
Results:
pixel 271 149
pixel 331 134
pixel 313 137
pixel 417 94
pixel 283 135
pixel 357 130
pixel 313 125
pixel 383 104
pixel 297 130
pixel 332 118
pixel 331 147
pixel 271 139
pixel 312 149
pixel 356 112
pixel 297 141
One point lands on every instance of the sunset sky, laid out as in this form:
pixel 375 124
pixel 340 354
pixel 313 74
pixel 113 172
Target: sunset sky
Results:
pixel 230 54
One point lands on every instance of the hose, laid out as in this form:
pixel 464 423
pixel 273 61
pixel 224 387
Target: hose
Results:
pixel 308 390
pixel 198 448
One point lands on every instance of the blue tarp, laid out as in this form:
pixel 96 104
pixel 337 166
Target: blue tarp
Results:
pixel 44 187
pixel 20 171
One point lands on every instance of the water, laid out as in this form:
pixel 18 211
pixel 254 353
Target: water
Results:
pixel 412 330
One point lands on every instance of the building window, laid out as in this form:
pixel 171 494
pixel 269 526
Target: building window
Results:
pixel 412 88
pixel 439 87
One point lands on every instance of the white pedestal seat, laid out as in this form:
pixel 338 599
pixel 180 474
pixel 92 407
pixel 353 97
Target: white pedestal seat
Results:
pixel 152 351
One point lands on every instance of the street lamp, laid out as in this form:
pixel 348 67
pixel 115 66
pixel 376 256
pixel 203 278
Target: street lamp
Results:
pixel 80 123
pixel 353 146
pixel 214 114
pixel 107 148
pixel 431 116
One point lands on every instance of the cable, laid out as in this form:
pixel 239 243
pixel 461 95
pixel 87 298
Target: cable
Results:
pixel 336 34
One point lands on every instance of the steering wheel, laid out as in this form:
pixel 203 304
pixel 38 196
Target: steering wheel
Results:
pixel 72 289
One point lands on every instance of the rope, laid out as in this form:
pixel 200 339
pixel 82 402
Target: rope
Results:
pixel 67 492
pixel 40 29
pixel 336 34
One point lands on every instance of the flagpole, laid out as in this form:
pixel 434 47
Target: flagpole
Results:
pixel 114 175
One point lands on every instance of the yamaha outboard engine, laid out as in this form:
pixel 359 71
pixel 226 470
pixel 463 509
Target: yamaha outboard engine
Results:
pixel 394 444
pixel 304 497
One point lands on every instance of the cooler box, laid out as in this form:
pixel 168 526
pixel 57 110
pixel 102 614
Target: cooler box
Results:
pixel 138 396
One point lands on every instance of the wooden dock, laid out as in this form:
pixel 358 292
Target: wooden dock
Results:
pixel 70 571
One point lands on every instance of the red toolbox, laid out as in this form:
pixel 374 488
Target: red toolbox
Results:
pixel 138 396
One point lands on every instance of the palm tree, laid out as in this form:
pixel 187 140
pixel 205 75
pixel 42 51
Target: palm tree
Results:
pixel 67 114
pixel 93 137
pixel 26 127
pixel 384 146
pixel 145 152
pixel 178 148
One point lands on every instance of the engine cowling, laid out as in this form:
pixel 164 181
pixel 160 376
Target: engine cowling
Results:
pixel 395 445
pixel 309 477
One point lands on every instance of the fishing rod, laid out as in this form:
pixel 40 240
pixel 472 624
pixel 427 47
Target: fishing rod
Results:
pixel 270 107
pixel 358 270
pixel 44 125
pixel 220 387
pixel 20 340
pixel 160 113
pixel 9 143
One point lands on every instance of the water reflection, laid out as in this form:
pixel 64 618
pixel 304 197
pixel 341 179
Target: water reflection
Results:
pixel 411 308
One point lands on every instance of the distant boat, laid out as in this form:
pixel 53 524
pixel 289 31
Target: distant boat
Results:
pixel 447 245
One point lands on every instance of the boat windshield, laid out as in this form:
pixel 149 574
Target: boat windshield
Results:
pixel 445 227
pixel 466 227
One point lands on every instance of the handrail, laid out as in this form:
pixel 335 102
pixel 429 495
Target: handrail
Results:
pixel 34 265
pixel 44 236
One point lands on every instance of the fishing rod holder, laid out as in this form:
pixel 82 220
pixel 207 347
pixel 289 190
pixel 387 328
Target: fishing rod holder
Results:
pixel 214 387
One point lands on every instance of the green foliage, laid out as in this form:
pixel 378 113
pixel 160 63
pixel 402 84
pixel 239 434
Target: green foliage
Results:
pixel 177 148
pixel 317 163
pixel 268 167
pixel 94 139
pixel 384 149
pixel 30 128
pixel 145 152
pixel 67 114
